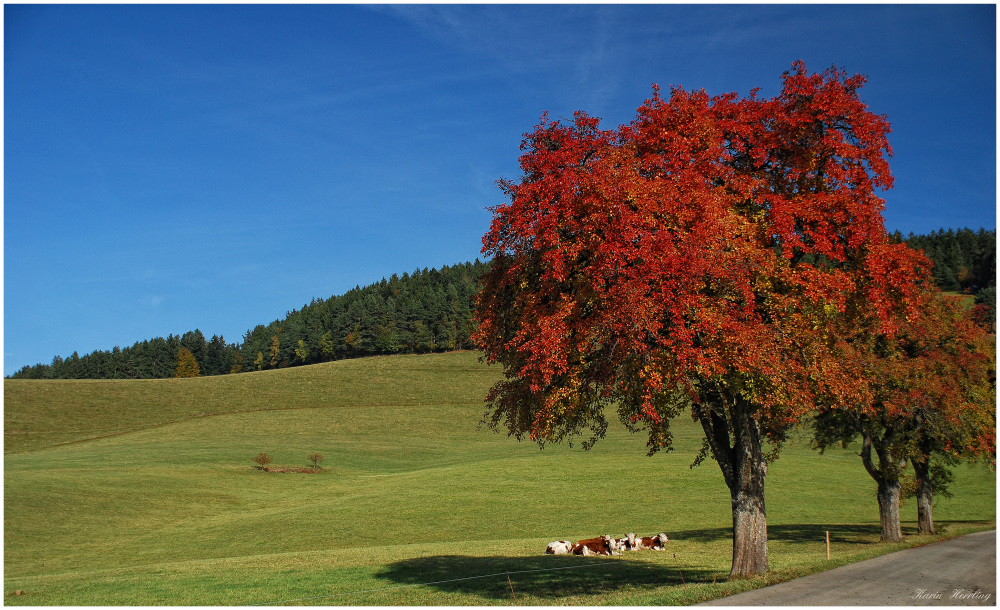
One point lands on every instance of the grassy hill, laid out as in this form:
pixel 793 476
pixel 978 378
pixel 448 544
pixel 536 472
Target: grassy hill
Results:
pixel 144 493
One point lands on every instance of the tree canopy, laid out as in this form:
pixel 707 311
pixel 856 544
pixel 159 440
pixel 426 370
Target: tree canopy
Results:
pixel 928 392
pixel 693 257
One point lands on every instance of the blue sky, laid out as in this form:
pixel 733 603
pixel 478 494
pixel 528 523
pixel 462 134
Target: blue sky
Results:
pixel 176 167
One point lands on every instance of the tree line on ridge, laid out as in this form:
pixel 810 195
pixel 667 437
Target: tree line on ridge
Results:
pixel 427 311
pixel 963 259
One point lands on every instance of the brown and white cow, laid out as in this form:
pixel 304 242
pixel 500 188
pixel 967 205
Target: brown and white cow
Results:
pixel 655 543
pixel 559 547
pixel 629 542
pixel 594 546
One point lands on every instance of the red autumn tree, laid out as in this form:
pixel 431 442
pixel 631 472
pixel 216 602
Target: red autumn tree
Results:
pixel 952 397
pixel 930 392
pixel 690 259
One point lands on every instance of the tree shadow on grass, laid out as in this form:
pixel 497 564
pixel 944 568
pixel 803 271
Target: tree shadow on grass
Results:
pixel 558 576
pixel 545 576
pixel 806 533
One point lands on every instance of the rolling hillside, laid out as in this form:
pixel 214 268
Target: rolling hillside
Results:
pixel 144 493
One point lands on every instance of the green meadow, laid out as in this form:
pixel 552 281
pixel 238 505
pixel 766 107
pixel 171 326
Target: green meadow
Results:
pixel 145 493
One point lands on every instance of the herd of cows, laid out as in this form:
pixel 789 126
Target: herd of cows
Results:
pixel 606 545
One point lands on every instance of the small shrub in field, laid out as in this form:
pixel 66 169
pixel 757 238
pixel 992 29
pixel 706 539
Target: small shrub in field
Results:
pixel 262 460
pixel 315 458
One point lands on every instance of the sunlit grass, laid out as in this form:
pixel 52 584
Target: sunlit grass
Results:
pixel 412 492
pixel 48 413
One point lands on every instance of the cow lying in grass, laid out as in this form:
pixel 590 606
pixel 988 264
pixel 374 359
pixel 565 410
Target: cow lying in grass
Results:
pixel 654 543
pixel 606 545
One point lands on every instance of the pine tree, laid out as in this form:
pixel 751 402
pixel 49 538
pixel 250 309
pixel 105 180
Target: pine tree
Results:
pixel 302 352
pixel 275 350
pixel 326 345
pixel 237 362
pixel 194 340
pixel 187 366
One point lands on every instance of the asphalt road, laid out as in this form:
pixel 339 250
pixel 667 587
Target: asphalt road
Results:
pixel 957 572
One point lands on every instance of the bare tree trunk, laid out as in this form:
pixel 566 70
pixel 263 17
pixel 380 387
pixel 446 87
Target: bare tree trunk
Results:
pixel 888 508
pixel 749 523
pixel 887 477
pixel 734 438
pixel 925 497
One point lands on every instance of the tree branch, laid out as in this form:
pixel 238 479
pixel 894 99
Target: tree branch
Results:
pixel 717 433
pixel 866 456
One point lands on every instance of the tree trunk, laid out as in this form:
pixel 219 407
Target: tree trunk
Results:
pixel 925 497
pixel 749 525
pixel 734 438
pixel 887 477
pixel 888 508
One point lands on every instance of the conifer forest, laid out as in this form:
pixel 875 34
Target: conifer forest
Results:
pixel 420 312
